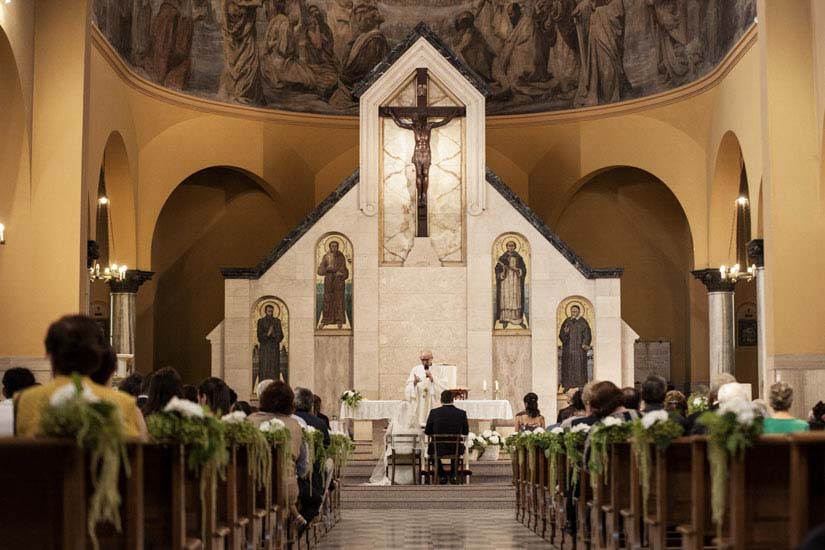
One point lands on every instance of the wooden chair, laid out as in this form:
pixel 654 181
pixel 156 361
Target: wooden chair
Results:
pixel 405 450
pixel 455 442
pixel 43 491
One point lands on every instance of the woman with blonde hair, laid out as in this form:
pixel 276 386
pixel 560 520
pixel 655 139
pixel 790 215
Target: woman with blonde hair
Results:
pixel 782 422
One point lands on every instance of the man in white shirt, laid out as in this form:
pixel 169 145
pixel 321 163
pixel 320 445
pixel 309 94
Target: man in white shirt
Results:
pixel 14 380
pixel 424 388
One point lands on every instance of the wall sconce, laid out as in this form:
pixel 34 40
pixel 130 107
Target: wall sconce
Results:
pixel 3 227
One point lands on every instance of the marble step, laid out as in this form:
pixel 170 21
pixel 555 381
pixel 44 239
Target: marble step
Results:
pixel 429 497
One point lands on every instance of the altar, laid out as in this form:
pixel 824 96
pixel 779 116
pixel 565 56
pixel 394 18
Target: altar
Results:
pixel 480 412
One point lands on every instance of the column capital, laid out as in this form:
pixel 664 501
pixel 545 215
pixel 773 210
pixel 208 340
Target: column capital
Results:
pixel 756 252
pixel 131 283
pixel 712 279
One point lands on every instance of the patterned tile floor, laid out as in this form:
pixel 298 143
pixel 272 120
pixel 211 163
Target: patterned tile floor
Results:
pixel 442 529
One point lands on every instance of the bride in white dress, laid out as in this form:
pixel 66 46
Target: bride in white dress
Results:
pixel 404 423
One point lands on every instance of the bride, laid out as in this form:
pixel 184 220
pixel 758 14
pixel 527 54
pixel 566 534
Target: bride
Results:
pixel 403 423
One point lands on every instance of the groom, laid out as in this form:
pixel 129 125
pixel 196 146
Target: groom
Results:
pixel 446 420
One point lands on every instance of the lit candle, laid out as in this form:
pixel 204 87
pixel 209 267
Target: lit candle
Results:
pixel 484 386
pixel 496 385
pixel 2 234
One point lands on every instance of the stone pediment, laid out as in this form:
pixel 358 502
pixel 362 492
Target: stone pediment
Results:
pixel 421 30
pixel 493 180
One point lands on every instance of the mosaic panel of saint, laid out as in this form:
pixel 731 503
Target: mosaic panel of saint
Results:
pixel 423 157
pixel 511 254
pixel 333 283
pixel 270 334
pixel 575 320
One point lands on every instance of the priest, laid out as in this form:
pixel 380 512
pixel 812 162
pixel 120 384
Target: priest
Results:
pixel 424 388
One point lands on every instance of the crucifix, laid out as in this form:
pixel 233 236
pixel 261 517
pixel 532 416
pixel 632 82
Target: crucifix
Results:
pixel 421 119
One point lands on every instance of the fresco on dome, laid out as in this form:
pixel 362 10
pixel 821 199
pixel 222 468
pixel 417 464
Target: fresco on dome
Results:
pixel 537 55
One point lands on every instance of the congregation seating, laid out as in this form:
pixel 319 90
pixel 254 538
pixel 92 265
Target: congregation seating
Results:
pixel 45 482
pixel 774 497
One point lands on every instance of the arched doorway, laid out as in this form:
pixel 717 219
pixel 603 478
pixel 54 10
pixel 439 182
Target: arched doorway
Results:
pixel 217 217
pixel 627 217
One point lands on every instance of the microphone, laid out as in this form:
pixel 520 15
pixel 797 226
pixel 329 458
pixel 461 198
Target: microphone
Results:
pixel 426 367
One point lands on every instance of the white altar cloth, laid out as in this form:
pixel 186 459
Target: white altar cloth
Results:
pixel 477 409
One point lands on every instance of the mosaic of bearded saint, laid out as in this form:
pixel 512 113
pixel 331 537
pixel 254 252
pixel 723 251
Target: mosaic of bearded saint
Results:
pixel 576 337
pixel 333 268
pixel 511 271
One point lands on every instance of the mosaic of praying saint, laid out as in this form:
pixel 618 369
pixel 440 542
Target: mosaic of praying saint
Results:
pixel 575 338
pixel 333 269
pixel 270 336
pixel 511 272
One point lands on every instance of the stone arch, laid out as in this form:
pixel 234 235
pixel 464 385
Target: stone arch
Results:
pixel 13 134
pixel 116 179
pixel 628 217
pixel 216 217
pixel 722 209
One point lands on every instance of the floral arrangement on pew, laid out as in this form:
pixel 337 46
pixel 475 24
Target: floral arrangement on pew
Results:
pixel 732 428
pixel 340 449
pixel 610 430
pixel 654 428
pixel 574 449
pixel 553 443
pixel 351 398
pixel 317 452
pixel 276 433
pixel 78 413
pixel 182 422
pixel 697 403
pixel 511 444
pixel 239 431
pixel 531 440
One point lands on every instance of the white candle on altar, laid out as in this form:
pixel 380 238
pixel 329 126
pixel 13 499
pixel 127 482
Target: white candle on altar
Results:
pixel 484 386
pixel 496 385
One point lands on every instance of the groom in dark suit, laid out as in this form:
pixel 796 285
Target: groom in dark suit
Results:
pixel 445 420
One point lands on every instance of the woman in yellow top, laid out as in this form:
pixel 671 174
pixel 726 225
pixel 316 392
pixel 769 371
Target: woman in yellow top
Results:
pixel 530 418
pixel 74 344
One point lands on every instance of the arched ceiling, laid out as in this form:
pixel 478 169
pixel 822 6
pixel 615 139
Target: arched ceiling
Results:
pixel 537 55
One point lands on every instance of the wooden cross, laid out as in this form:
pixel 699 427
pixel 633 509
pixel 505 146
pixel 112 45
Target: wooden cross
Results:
pixel 421 123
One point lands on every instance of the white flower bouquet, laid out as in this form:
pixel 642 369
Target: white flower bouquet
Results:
pixel 351 398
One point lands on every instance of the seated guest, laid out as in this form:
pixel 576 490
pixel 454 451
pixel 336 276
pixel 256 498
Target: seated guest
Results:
pixel 675 402
pixel 574 410
pixel 608 400
pixel 108 365
pixel 782 422
pixel 131 384
pixel 243 406
pixel 446 420
pixel 14 380
pixel 304 400
pixel 316 410
pixel 190 393
pixel 816 418
pixel 691 426
pixel 530 418
pixel 233 397
pixel 654 391
pixel 632 398
pixel 214 393
pixel 144 390
pixel 163 386
pixel 588 417
pixel 569 410
pixel 310 498
pixel 74 345
pixel 276 400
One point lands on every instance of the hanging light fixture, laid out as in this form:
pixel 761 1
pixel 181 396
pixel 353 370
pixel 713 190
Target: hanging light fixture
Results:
pixel 113 272
pixel 2 234
pixel 734 273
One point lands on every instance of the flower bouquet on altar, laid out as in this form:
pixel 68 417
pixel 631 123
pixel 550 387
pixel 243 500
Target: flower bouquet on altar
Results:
pixel 351 398
pixel 75 411
pixel 487 445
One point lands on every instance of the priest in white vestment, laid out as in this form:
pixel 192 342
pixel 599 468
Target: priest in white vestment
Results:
pixel 423 389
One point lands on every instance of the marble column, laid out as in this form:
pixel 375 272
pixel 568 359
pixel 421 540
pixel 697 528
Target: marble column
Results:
pixel 720 321
pixel 123 296
pixel 756 256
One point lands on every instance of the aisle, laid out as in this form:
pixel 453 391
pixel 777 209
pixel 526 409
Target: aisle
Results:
pixel 448 529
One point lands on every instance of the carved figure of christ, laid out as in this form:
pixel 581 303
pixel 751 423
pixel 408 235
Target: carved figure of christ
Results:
pixel 422 119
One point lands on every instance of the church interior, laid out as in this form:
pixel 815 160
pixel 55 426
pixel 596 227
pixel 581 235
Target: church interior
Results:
pixel 590 228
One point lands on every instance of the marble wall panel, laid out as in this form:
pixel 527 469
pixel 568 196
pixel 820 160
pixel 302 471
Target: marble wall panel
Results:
pixel 333 368
pixel 512 367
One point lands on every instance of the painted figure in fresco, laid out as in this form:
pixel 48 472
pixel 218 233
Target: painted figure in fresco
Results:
pixel 320 51
pixel 241 78
pixel 563 59
pixel 522 63
pixel 270 336
pixel 600 26
pixel 333 269
pixel 367 48
pixel 575 338
pixel 171 59
pixel 511 272
pixel 472 47
pixel 281 65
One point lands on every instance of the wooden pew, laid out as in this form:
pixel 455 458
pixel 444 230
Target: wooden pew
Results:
pixel 42 496
pixel 558 508
pixel 227 524
pixel 583 495
pixel 131 507
pixel 670 492
pixel 615 497
pixel 515 462
pixel 696 531
pixel 807 479
pixel 631 512
pixel 164 499
pixel 249 515
pixel 540 519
